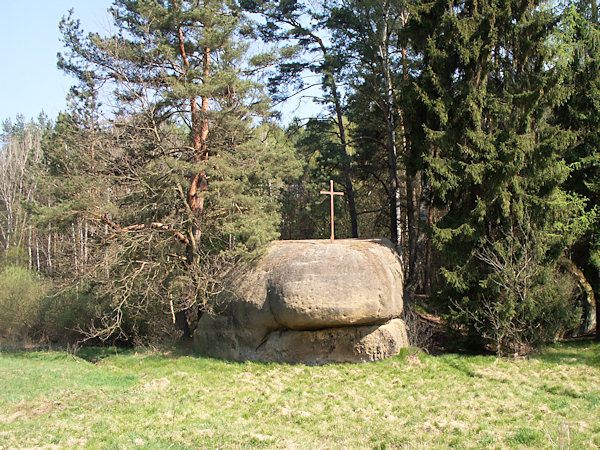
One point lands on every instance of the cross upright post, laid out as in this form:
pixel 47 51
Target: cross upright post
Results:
pixel 331 193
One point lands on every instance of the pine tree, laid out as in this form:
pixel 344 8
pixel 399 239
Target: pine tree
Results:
pixel 195 178
pixel 299 29
pixel 380 65
pixel 364 31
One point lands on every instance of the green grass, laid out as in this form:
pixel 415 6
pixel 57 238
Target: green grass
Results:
pixel 124 399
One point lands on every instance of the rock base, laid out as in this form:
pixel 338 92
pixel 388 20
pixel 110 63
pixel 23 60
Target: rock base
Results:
pixel 356 344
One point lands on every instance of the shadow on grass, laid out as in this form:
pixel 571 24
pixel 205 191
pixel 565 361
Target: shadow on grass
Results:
pixel 459 364
pixel 94 353
pixel 583 352
pixel 97 354
pixel 576 352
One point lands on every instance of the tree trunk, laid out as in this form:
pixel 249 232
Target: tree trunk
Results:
pixel 392 153
pixel 412 207
pixel 200 130
pixel 595 22
pixel 429 263
pixel 590 310
pixel 394 189
pixel 81 242
pixel 346 165
pixel 85 242
pixel 29 248
pixel 413 180
pixel 598 313
pixel 598 316
pixel 49 249
pixel 75 258
pixel 330 79
pixel 37 250
pixel 199 184
pixel 199 134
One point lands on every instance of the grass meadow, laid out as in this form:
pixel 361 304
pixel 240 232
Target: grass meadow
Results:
pixel 111 398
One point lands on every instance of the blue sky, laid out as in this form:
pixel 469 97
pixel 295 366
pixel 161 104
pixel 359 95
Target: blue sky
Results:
pixel 29 41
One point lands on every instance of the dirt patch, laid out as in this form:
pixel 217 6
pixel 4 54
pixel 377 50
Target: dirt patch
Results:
pixel 30 412
pixel 158 384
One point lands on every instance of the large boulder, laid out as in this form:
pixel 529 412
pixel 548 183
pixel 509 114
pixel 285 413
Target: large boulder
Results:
pixel 312 302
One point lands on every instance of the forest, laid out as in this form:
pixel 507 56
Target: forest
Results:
pixel 466 132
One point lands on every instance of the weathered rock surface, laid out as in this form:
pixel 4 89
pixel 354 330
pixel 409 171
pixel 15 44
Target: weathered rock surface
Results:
pixel 311 302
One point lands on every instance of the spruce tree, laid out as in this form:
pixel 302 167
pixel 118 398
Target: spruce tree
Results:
pixel 497 164
pixel 579 38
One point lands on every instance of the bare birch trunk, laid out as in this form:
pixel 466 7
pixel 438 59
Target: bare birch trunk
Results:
pixel 74 237
pixel 37 250
pixel 29 252
pixel 79 234
pixel 86 241
pixel 49 249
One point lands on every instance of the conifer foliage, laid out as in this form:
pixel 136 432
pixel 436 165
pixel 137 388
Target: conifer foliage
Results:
pixel 579 40
pixel 194 175
pixel 497 161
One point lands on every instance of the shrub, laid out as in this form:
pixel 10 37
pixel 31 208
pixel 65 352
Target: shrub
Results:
pixel 67 312
pixel 524 301
pixel 22 295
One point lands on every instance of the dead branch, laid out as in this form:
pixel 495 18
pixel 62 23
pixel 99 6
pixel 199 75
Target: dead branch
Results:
pixel 138 227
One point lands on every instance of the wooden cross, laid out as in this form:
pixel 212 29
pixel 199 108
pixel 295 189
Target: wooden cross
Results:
pixel 331 193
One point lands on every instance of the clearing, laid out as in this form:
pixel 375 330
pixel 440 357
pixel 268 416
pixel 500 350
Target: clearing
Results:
pixel 117 398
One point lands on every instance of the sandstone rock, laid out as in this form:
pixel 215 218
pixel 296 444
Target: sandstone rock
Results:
pixel 335 345
pixel 311 302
